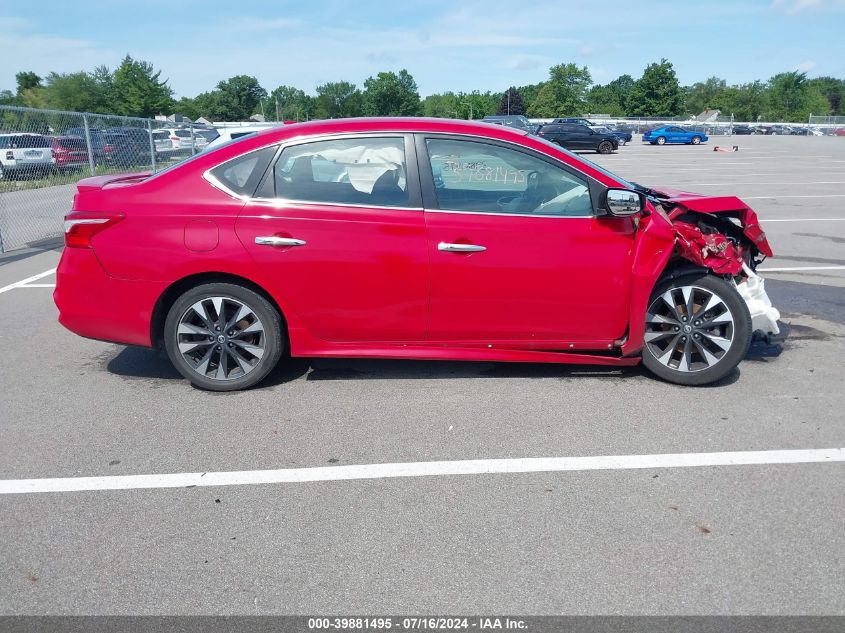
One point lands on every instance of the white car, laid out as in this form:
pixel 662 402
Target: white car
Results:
pixel 180 139
pixel 162 142
pixel 231 133
pixel 25 154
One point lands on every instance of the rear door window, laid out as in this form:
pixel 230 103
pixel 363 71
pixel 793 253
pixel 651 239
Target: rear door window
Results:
pixel 362 171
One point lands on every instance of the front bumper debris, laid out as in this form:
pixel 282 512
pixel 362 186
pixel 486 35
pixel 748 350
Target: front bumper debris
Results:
pixel 764 317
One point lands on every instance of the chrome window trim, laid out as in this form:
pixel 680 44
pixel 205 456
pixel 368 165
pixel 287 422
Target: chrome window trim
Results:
pixel 301 139
pixel 281 202
pixel 511 215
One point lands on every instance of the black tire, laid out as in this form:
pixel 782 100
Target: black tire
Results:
pixel 605 147
pixel 705 372
pixel 661 140
pixel 696 140
pixel 272 339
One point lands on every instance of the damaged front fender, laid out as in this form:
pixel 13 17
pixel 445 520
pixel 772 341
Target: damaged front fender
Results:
pixel 721 234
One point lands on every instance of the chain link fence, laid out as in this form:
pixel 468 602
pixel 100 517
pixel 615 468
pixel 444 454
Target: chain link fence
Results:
pixel 827 125
pixel 43 153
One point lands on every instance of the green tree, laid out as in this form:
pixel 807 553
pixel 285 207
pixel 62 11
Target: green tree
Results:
pixel 529 93
pixel 187 107
pixel 476 104
pixel 289 103
pixel 27 80
pixel 138 91
pixel 611 98
pixel 833 90
pixel 238 98
pixel 445 105
pixel 745 102
pixel 706 95
pixel 564 93
pixel 792 98
pixel 391 94
pixel 511 103
pixel 338 99
pixel 77 92
pixel 657 92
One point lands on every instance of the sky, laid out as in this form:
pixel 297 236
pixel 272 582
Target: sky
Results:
pixel 446 45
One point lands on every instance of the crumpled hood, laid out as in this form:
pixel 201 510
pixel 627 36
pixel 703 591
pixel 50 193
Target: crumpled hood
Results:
pixel 730 206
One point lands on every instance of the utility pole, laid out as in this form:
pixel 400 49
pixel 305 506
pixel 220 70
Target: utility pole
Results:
pixel 509 101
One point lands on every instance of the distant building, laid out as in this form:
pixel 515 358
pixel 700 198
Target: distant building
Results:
pixel 708 116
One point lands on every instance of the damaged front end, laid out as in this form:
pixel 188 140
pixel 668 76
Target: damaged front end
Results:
pixel 724 235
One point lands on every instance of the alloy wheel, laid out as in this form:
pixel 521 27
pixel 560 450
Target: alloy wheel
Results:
pixel 221 338
pixel 689 328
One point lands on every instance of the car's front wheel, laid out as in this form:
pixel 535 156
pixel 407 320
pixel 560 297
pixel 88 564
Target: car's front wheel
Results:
pixel 696 140
pixel 661 140
pixel 697 330
pixel 605 147
pixel 223 336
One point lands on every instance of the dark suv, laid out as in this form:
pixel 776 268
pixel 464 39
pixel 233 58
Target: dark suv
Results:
pixel 578 136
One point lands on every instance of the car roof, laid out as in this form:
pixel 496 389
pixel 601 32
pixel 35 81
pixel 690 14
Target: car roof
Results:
pixel 392 124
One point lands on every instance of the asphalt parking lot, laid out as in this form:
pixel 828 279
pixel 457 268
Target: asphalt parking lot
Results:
pixel 759 538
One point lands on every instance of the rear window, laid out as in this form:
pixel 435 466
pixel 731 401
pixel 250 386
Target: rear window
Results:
pixel 183 133
pixel 72 143
pixel 4 142
pixel 27 141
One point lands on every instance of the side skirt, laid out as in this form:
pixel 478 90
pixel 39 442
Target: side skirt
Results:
pixel 449 352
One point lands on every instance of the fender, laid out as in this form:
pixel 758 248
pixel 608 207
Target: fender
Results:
pixel 655 242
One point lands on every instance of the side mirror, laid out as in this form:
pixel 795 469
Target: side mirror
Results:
pixel 623 202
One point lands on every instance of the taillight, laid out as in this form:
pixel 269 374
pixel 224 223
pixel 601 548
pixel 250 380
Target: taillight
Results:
pixel 81 227
pixel 174 138
pixel 108 149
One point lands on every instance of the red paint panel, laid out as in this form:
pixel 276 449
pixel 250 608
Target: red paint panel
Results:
pixel 201 235
pixel 361 275
pixel 541 278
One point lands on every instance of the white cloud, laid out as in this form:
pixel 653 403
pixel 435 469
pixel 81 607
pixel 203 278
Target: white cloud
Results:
pixel 791 7
pixel 805 66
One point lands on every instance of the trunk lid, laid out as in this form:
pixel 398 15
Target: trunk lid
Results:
pixel 112 180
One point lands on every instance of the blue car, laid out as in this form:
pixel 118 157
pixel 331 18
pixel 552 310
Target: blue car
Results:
pixel 673 134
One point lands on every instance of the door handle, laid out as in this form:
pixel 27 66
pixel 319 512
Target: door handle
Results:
pixel 460 248
pixel 275 240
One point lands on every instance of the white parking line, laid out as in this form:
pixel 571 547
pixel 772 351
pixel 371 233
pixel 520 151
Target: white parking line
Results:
pixel 757 182
pixel 823 195
pixel 767 220
pixel 422 469
pixel 23 282
pixel 796 268
pixel 38 286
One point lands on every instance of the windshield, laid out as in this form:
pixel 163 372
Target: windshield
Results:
pixel 599 168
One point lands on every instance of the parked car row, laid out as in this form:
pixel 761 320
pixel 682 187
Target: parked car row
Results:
pixel 30 154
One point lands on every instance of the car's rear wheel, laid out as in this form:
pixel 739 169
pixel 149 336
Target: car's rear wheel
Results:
pixel 605 147
pixel 223 336
pixel 696 140
pixel 697 330
pixel 661 140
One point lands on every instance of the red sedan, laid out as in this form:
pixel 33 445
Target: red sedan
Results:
pixel 410 238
